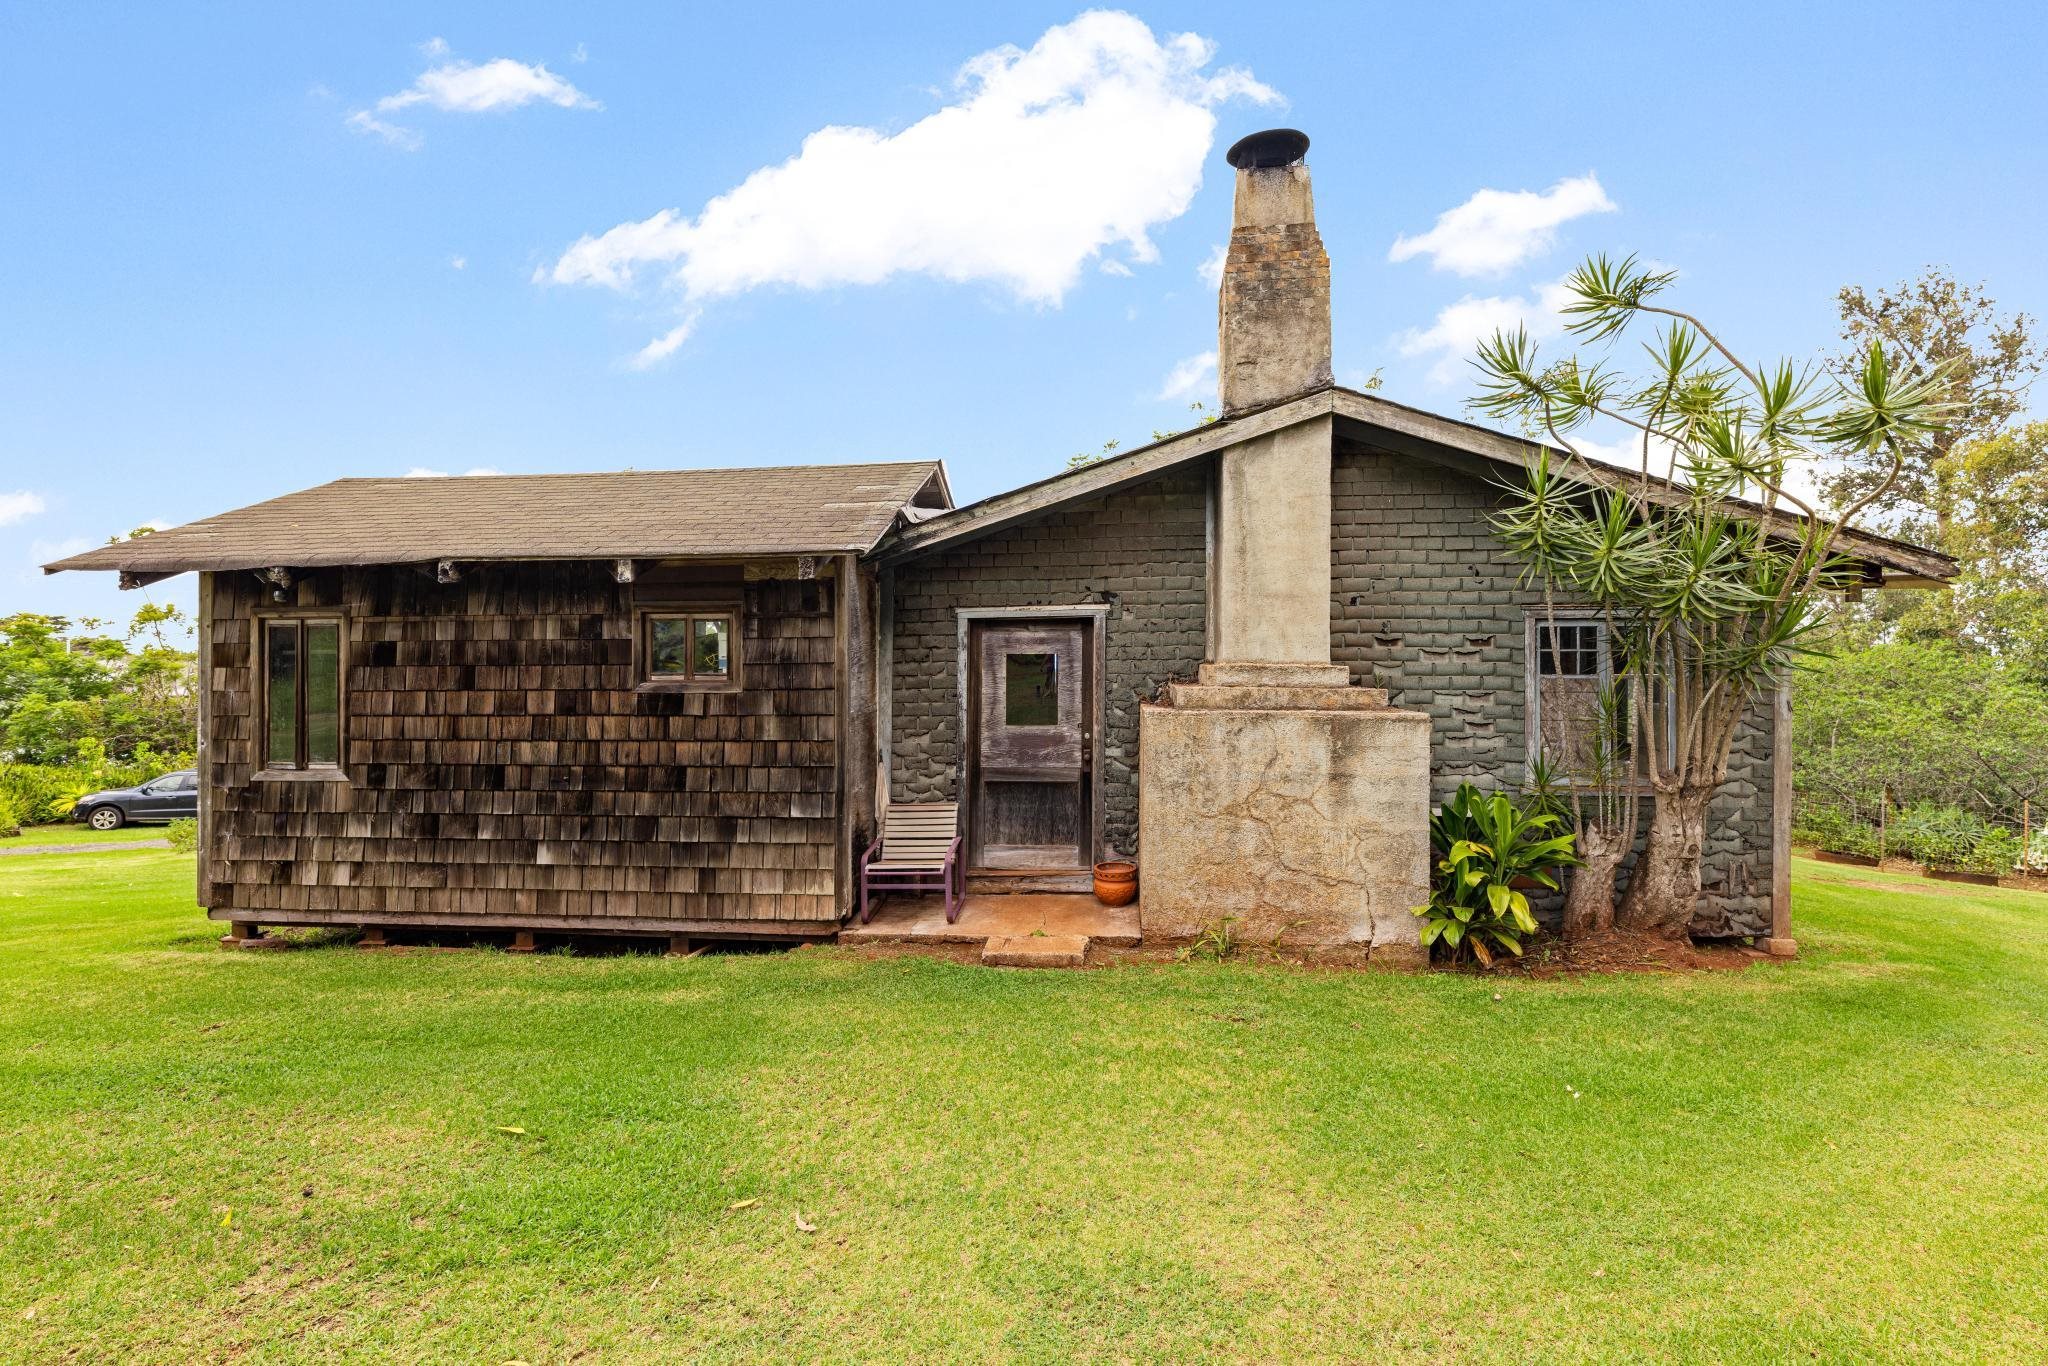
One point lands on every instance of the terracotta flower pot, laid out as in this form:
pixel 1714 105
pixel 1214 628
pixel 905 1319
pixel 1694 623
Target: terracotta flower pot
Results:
pixel 1116 883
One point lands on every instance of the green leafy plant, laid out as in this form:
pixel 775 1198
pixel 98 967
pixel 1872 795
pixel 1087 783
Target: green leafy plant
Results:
pixel 1547 790
pixel 183 835
pixel 1996 853
pixel 1485 844
pixel 1216 943
pixel 1941 837
pixel 10 820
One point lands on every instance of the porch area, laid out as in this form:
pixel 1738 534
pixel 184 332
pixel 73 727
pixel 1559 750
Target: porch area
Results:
pixel 1016 929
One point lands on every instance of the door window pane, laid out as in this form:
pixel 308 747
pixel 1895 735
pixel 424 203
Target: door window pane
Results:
pixel 713 644
pixel 1031 692
pixel 281 691
pixel 668 647
pixel 323 692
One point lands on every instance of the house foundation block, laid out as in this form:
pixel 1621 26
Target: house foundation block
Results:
pixel 1309 824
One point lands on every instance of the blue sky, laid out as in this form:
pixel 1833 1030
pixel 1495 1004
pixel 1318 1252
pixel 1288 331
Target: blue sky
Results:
pixel 249 248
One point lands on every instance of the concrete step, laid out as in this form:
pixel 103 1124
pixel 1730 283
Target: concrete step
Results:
pixel 1035 951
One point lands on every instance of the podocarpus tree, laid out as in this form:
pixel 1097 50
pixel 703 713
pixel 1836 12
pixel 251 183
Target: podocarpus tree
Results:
pixel 1709 605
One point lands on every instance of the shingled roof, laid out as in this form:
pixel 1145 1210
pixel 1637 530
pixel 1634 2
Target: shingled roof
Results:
pixel 639 514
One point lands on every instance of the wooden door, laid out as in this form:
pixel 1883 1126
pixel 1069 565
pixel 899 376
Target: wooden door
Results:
pixel 1031 710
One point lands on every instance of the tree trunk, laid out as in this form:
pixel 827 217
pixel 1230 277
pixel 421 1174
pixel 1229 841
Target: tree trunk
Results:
pixel 1664 890
pixel 1589 896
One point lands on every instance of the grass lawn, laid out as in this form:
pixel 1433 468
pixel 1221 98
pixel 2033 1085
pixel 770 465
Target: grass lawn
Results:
pixel 79 834
pixel 303 1155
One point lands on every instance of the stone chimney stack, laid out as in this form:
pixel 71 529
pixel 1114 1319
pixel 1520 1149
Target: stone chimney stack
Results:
pixel 1274 310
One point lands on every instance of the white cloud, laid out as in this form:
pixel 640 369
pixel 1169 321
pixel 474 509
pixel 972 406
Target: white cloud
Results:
pixel 363 121
pixel 1193 374
pixel 1496 230
pixel 1047 158
pixel 422 472
pixel 663 346
pixel 580 55
pixel 1459 329
pixel 1211 269
pixel 460 87
pixel 1111 266
pixel 20 506
pixel 458 263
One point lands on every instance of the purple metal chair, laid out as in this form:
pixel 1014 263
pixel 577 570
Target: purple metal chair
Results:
pixel 916 850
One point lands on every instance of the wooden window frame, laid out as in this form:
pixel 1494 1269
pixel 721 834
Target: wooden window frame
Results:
pixel 1539 621
pixel 643 647
pixel 299 767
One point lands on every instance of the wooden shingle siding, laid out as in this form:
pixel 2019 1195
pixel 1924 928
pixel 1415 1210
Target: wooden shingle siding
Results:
pixel 503 770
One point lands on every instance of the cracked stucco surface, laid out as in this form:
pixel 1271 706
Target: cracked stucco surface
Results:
pixel 1307 825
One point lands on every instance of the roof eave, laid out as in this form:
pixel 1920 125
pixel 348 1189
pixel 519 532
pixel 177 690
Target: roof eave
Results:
pixel 1104 476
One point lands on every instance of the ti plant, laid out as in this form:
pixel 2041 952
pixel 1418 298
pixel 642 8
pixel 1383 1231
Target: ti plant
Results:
pixel 1485 845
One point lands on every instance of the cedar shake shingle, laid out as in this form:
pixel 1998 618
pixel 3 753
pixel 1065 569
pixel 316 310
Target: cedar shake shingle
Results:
pixel 634 514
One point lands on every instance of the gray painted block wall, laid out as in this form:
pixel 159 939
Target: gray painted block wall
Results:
pixel 1148 545
pixel 1424 604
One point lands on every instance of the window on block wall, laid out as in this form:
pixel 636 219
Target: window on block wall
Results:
pixel 1573 664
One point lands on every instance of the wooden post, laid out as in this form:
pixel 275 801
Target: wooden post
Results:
pixel 1781 943
pixel 242 934
pixel 202 742
pixel 679 946
pixel 373 938
pixel 858 760
pixel 522 942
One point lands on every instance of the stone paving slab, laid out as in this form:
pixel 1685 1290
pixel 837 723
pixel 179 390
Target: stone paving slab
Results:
pixel 1036 951
pixel 900 920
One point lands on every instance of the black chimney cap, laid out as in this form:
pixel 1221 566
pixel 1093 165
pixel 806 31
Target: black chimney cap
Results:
pixel 1274 147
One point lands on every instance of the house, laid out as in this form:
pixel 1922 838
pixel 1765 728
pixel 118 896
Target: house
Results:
pixel 1251 656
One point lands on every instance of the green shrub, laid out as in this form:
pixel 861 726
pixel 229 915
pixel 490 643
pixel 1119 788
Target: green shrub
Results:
pixel 1939 836
pixel 10 819
pixel 1997 853
pixel 1484 844
pixel 1835 832
pixel 183 835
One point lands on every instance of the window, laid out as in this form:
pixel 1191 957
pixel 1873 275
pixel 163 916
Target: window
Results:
pixel 302 693
pixel 1569 724
pixel 691 648
pixel 1031 690
pixel 1572 669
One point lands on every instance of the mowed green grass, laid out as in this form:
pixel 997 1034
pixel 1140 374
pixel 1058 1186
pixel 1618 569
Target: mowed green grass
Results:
pixel 303 1155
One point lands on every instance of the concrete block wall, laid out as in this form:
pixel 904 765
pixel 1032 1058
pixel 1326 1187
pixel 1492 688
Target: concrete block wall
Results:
pixel 1425 604
pixel 1147 545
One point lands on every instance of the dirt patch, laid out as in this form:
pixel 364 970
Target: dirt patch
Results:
pixel 1620 951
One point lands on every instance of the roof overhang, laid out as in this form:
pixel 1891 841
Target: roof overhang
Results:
pixel 735 514
pixel 1369 420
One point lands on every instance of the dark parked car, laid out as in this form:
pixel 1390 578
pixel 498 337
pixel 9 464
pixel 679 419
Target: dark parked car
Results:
pixel 174 796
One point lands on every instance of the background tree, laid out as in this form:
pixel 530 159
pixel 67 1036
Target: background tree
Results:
pixel 70 693
pixel 1932 323
pixel 1712 607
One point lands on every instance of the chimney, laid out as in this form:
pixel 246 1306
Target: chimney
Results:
pixel 1274 310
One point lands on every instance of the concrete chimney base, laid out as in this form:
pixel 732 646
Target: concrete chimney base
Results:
pixel 1307 822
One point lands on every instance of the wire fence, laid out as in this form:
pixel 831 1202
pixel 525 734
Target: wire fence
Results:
pixel 1943 838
